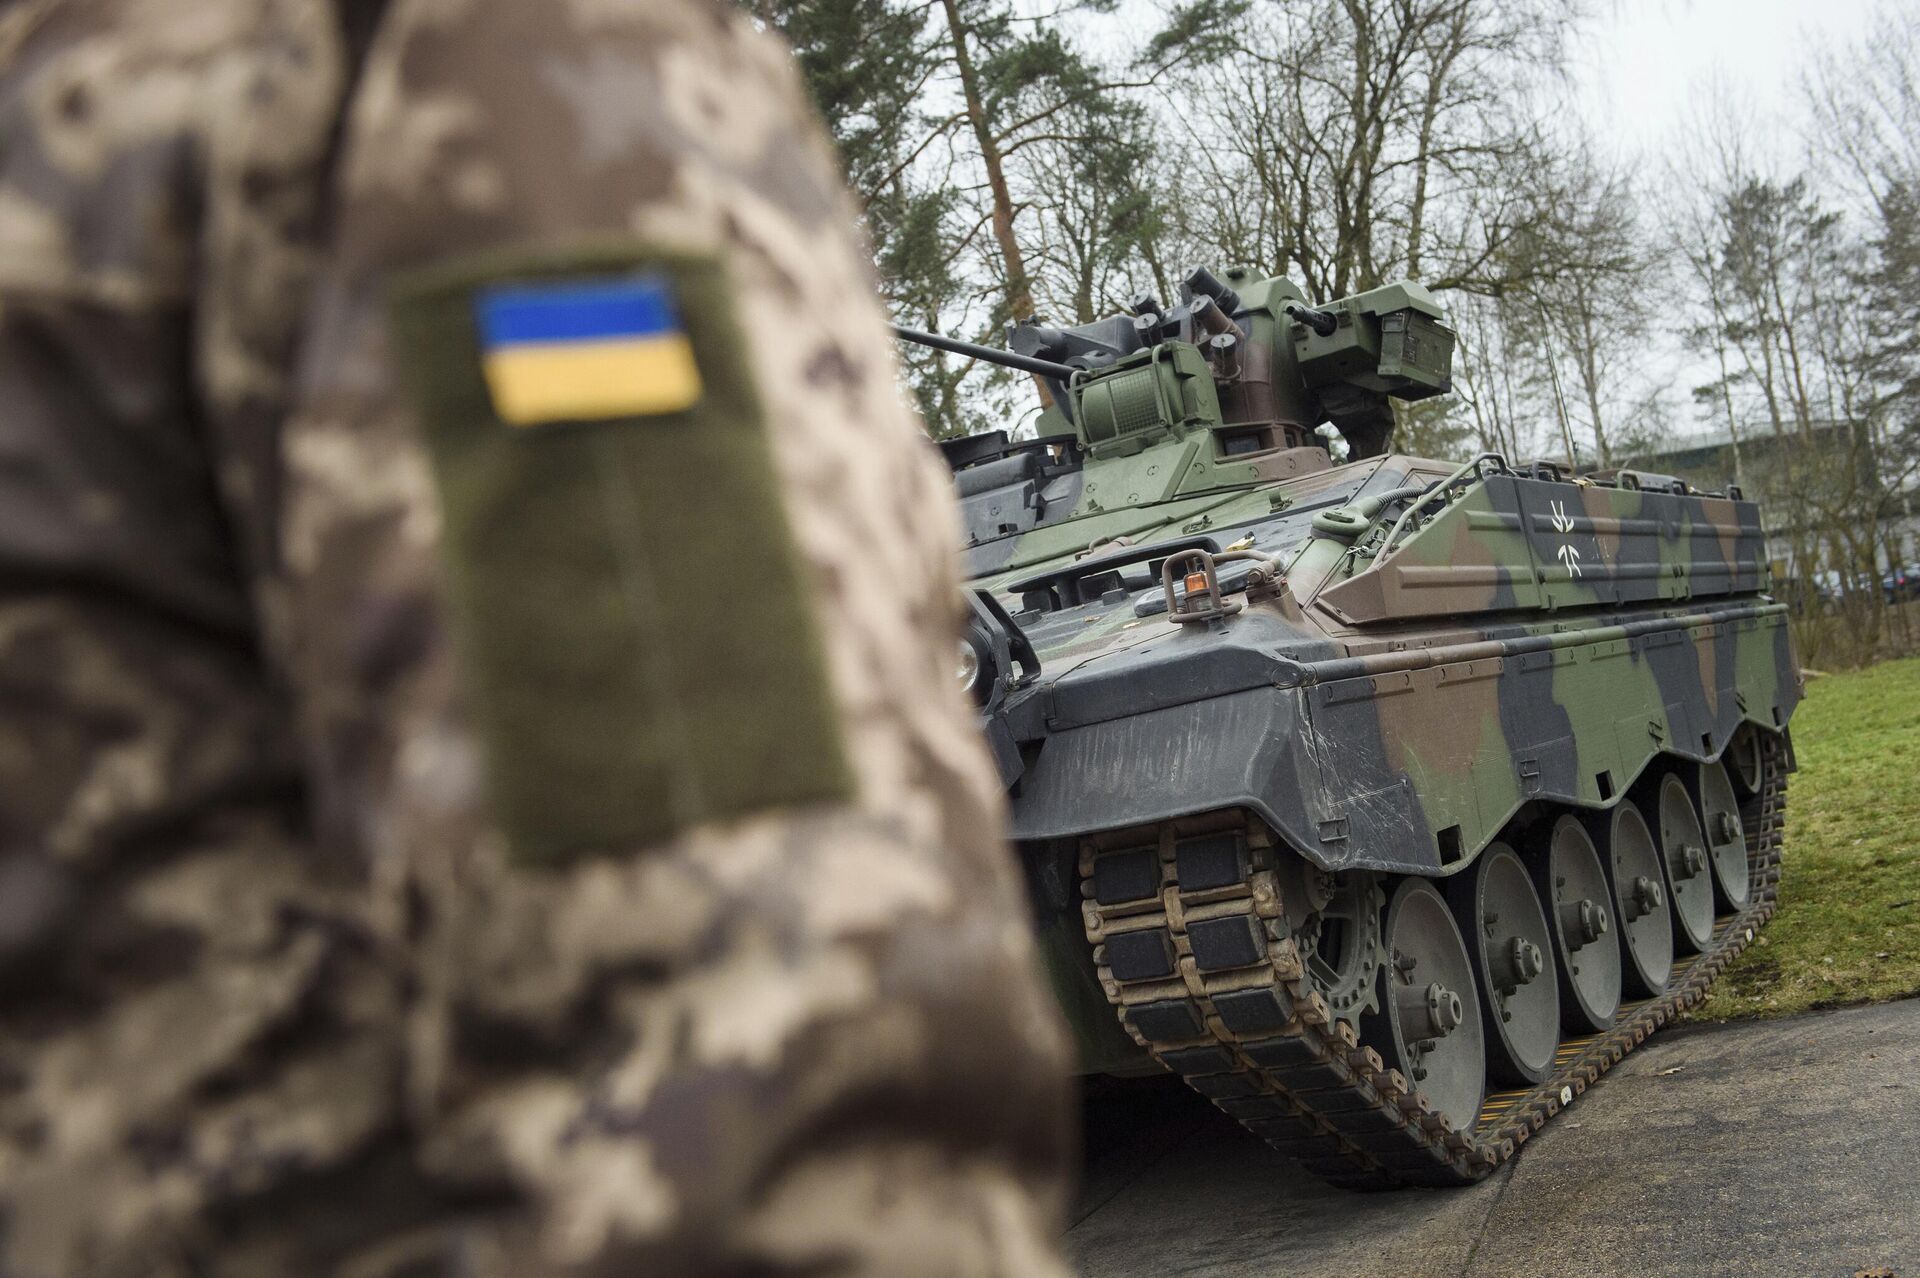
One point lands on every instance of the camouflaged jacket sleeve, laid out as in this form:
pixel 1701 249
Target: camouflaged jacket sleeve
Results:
pixel 271 610
pixel 816 1035
pixel 189 1013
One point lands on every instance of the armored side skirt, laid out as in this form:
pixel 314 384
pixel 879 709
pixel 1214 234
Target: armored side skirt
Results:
pixel 1412 761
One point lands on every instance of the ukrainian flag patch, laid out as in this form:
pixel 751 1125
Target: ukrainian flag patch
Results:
pixel 610 716
pixel 585 350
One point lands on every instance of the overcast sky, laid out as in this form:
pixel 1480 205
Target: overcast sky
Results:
pixel 1647 61
pixel 1647 68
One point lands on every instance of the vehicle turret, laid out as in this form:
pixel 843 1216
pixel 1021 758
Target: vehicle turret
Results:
pixel 1228 387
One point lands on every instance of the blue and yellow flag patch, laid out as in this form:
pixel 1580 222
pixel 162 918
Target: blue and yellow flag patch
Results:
pixel 585 350
pixel 611 720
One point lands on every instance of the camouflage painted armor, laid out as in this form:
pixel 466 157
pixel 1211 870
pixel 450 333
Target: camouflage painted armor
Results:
pixel 280 993
pixel 1386 802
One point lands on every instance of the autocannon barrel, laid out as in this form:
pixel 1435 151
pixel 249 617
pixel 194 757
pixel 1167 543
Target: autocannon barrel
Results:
pixel 1025 363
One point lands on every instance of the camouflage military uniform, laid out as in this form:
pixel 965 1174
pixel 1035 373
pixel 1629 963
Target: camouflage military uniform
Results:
pixel 277 993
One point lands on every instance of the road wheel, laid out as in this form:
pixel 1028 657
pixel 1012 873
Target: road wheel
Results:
pixel 1726 838
pixel 1426 1026
pixel 1500 915
pixel 1639 897
pixel 1683 858
pixel 1586 951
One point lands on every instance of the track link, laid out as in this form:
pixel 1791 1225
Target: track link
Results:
pixel 1191 942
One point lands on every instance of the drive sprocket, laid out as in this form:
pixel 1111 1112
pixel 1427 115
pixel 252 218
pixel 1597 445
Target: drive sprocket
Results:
pixel 1334 919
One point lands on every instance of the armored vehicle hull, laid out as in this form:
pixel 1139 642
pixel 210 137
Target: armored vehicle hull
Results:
pixel 1387 803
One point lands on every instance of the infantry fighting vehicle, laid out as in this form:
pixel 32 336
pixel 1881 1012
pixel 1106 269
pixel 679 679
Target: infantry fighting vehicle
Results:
pixel 1387 802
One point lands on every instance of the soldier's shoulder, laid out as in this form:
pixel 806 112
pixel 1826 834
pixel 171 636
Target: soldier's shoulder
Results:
pixel 498 103
pixel 118 108
pixel 598 43
pixel 126 37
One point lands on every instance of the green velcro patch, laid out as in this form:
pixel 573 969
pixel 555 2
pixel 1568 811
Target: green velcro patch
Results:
pixel 626 594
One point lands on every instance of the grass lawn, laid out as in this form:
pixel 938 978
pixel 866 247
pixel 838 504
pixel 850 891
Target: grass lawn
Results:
pixel 1848 928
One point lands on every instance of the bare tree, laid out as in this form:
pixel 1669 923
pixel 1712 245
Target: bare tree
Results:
pixel 1598 301
pixel 1864 110
pixel 1781 301
pixel 1367 139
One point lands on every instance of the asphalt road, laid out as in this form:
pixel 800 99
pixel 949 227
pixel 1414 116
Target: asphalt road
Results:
pixel 1785 1148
